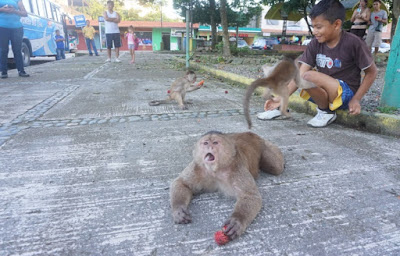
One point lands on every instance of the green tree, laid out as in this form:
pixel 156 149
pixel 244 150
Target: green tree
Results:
pixel 299 6
pixel 202 11
pixel 226 51
pixel 240 12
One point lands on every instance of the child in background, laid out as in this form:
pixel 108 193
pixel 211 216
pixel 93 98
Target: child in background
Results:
pixel 130 36
pixel 60 45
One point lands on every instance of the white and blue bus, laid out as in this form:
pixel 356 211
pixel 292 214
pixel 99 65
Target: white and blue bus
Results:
pixel 44 18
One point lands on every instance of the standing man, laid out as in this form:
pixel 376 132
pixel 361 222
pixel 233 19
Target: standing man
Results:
pixel 112 19
pixel 88 33
pixel 378 18
pixel 60 45
pixel 11 30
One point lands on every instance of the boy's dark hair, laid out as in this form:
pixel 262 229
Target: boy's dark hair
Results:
pixel 57 30
pixel 379 1
pixel 110 2
pixel 131 27
pixel 331 10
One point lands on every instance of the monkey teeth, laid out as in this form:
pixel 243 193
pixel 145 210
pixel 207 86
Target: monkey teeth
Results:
pixel 209 157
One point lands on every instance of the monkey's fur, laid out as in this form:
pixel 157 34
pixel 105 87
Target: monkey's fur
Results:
pixel 276 81
pixel 228 163
pixel 178 90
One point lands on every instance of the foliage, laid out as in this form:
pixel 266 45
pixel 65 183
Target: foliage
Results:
pixel 387 110
pixel 97 7
pixel 240 12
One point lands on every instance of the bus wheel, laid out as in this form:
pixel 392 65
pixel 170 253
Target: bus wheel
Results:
pixel 26 54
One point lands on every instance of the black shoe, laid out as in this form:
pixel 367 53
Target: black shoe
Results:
pixel 4 75
pixel 23 74
pixel 90 54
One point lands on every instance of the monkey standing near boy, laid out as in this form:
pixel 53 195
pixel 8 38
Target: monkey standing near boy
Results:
pixel 339 58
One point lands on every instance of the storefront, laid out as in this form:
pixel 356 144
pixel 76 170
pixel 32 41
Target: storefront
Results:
pixel 247 34
pixel 153 36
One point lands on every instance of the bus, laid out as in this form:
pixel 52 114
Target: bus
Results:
pixel 44 18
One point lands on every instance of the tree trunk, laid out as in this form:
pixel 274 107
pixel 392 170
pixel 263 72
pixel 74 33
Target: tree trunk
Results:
pixel 237 34
pixel 396 14
pixel 226 51
pixel 213 25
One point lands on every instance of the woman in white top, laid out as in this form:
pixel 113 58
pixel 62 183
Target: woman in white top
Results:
pixel 112 19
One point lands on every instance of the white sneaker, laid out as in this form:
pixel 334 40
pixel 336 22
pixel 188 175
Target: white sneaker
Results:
pixel 322 119
pixel 117 60
pixel 107 60
pixel 269 115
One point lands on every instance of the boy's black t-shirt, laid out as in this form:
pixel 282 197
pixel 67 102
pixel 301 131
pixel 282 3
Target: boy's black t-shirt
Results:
pixel 345 61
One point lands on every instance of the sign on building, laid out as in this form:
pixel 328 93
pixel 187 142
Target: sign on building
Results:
pixel 80 21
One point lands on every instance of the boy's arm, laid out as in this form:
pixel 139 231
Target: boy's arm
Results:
pixel 369 78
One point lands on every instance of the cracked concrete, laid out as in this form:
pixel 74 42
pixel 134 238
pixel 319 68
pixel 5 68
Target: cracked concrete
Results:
pixel 85 168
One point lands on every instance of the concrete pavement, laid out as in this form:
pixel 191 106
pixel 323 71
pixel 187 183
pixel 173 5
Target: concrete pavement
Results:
pixel 85 168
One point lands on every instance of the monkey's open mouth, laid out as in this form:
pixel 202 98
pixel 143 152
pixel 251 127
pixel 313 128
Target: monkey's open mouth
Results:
pixel 209 157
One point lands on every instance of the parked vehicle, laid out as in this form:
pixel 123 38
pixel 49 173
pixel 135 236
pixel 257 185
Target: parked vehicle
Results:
pixel 306 42
pixel 384 47
pixel 44 18
pixel 264 43
pixel 242 44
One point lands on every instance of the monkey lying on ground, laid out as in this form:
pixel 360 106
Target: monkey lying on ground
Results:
pixel 228 163
pixel 276 81
pixel 178 90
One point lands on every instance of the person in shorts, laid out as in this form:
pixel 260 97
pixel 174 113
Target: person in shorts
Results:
pixel 113 35
pixel 338 57
pixel 130 37
pixel 378 19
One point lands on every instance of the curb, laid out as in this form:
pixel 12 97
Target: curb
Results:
pixel 372 122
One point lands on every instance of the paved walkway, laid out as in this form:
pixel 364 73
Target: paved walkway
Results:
pixel 85 168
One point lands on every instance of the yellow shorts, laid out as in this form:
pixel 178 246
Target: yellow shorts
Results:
pixel 344 95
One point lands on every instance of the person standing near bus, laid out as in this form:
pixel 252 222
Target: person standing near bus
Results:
pixel 60 45
pixel 113 35
pixel 11 30
pixel 88 33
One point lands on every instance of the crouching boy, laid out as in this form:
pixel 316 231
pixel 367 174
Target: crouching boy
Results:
pixel 332 61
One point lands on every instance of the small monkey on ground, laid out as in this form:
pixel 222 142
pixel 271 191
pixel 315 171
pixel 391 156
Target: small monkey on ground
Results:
pixel 276 81
pixel 178 90
pixel 229 163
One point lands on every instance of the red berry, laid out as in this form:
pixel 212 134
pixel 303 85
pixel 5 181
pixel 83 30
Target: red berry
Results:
pixel 226 91
pixel 168 91
pixel 221 238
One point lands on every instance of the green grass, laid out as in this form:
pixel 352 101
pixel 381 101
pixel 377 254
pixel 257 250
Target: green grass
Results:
pixel 387 110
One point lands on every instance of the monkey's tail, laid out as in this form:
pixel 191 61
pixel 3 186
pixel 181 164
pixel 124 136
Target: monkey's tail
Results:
pixel 249 92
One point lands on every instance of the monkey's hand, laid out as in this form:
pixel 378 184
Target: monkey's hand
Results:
pixel 183 107
pixel 272 103
pixel 181 216
pixel 234 228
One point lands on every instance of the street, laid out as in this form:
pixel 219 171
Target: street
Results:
pixel 86 164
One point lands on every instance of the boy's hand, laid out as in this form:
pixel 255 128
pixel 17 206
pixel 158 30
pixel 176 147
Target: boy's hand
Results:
pixel 272 103
pixel 354 107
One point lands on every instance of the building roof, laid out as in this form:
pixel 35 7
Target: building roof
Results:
pixel 145 24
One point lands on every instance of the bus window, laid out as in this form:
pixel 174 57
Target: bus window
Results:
pixel 56 13
pixel 48 10
pixel 42 8
pixel 35 8
pixel 27 5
